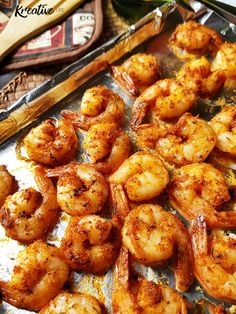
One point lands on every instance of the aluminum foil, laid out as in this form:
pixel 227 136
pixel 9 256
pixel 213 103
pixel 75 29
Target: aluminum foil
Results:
pixel 65 90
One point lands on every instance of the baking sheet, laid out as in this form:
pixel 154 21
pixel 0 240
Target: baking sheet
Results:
pixel 65 90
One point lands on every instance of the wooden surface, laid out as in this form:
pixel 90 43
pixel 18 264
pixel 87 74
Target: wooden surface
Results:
pixel 25 81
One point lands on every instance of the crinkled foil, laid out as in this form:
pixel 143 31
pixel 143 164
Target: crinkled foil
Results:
pixel 65 90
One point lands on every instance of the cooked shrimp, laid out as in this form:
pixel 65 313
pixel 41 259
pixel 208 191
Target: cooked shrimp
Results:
pixel 225 59
pixel 137 73
pixel 197 76
pixel 133 294
pixel 201 189
pixel 140 178
pixel 148 134
pixel 81 190
pixel 73 303
pixel 191 40
pixel 166 99
pixel 151 234
pixel 224 125
pixel 8 184
pixel 223 250
pixel 107 146
pixel 190 140
pixel 218 282
pixel 52 142
pixel 91 243
pixel 28 215
pixel 99 105
pixel 38 276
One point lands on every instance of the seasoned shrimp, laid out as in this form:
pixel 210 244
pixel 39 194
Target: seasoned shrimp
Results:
pixel 107 146
pixel 198 189
pixel 52 142
pixel 8 184
pixel 150 233
pixel 224 125
pixel 91 243
pixel 81 190
pixel 166 99
pixel 38 276
pixel 197 76
pixel 137 73
pixel 28 215
pixel 73 303
pixel 190 140
pixel 191 40
pixel 218 282
pixel 140 178
pixel 226 59
pixel 133 294
pixel 99 105
pixel 223 250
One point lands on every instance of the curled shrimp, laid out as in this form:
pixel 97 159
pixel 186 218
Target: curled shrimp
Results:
pixel 91 243
pixel 190 140
pixel 38 276
pixel 8 184
pixel 99 105
pixel 197 76
pixel 224 125
pixel 140 178
pixel 166 99
pixel 191 40
pixel 107 146
pixel 133 294
pixel 137 73
pixel 225 59
pixel 81 190
pixel 52 142
pixel 73 303
pixel 151 234
pixel 218 282
pixel 28 215
pixel 201 189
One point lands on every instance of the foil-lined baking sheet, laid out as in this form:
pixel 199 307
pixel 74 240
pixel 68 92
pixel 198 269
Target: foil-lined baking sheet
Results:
pixel 65 90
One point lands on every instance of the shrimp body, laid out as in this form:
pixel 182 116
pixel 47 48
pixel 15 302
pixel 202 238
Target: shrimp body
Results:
pixel 200 189
pixel 190 140
pixel 191 40
pixel 7 184
pixel 52 142
pixel 224 125
pixel 197 76
pixel 166 99
pixel 225 59
pixel 81 190
pixel 218 282
pixel 132 294
pixel 223 250
pixel 38 276
pixel 150 233
pixel 99 105
pixel 138 72
pixel 73 303
pixel 91 243
pixel 28 215
pixel 107 147
pixel 141 177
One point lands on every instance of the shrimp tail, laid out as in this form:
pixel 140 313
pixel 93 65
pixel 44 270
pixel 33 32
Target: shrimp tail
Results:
pixel 124 79
pixel 198 233
pixel 59 171
pixel 122 270
pixel 120 201
pixel 139 111
pixel 78 120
